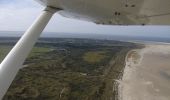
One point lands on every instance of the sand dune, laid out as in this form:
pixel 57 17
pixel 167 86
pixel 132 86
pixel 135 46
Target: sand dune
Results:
pixel 147 74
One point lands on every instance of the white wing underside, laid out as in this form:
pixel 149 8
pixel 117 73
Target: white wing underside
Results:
pixel 115 12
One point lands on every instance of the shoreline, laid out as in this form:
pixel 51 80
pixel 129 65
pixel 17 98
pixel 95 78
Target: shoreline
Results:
pixel 125 71
pixel 119 81
pixel 142 65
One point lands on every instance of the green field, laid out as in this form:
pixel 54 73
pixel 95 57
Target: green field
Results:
pixel 95 56
pixel 36 51
pixel 4 51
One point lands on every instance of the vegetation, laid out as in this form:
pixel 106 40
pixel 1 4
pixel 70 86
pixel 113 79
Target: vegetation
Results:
pixel 38 51
pixel 70 69
pixel 4 49
pixel 95 56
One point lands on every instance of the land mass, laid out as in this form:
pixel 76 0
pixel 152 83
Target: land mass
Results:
pixel 69 69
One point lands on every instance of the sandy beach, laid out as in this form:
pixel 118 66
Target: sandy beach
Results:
pixel 147 74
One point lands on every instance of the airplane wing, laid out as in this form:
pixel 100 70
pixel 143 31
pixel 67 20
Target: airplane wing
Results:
pixel 115 12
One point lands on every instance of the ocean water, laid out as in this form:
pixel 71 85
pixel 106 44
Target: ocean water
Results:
pixel 91 36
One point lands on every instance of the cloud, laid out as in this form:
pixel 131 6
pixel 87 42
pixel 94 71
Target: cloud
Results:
pixel 18 15
pixel 19 3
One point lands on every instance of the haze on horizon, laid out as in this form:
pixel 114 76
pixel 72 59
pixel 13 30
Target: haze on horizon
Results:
pixel 18 15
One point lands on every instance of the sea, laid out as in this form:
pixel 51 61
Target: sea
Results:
pixel 91 36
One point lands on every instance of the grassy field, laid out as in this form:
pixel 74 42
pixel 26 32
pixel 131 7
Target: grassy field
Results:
pixel 36 51
pixel 95 56
pixel 4 51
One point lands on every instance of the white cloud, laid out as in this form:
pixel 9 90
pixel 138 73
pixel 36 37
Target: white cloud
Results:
pixel 18 15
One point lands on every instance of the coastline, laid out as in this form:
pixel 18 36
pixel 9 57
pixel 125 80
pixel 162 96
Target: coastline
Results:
pixel 126 72
pixel 142 78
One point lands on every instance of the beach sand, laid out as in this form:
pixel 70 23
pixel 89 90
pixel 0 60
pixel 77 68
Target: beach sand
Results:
pixel 147 74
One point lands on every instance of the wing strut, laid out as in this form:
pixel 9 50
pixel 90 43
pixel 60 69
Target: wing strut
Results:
pixel 14 60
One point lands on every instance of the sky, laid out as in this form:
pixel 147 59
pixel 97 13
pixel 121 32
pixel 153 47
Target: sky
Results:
pixel 18 15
